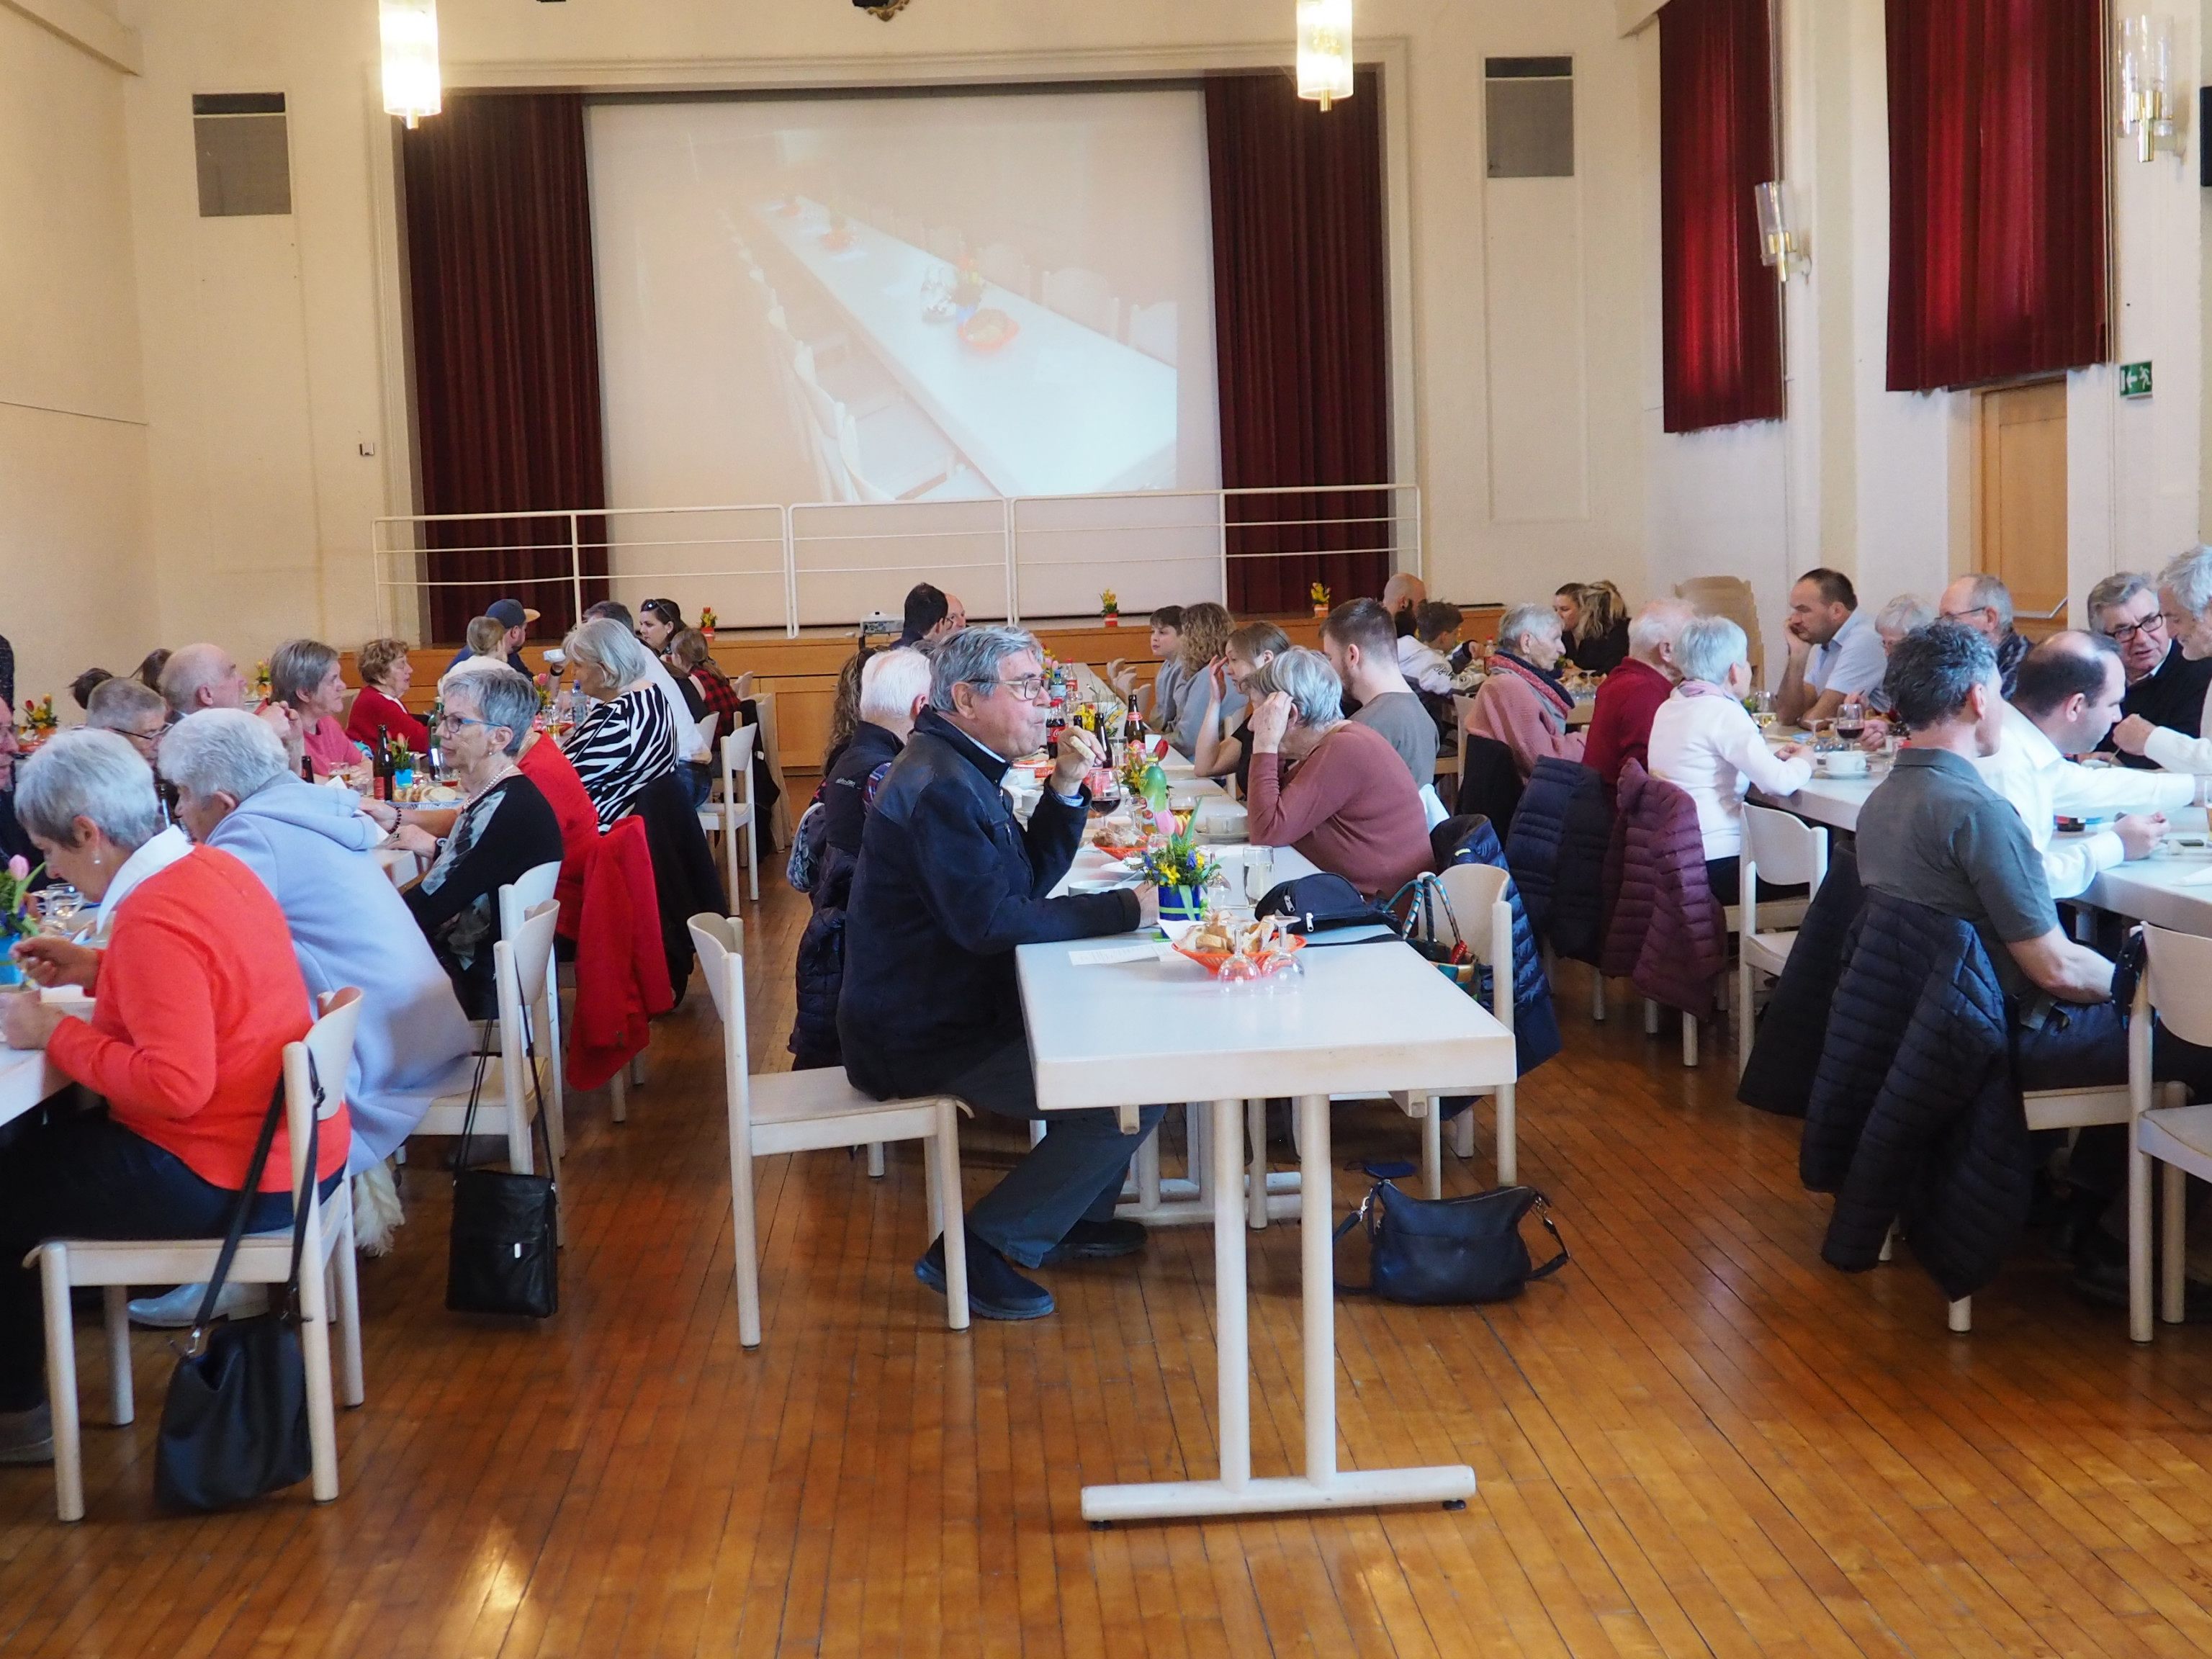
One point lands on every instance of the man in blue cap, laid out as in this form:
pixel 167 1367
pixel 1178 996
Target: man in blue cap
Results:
pixel 517 620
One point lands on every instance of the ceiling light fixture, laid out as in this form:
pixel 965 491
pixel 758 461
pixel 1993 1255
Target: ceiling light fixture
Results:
pixel 1324 51
pixel 409 29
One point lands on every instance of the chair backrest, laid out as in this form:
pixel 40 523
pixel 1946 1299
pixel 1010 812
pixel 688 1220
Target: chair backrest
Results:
pixel 1485 916
pixel 330 1041
pixel 1083 295
pixel 1731 597
pixel 1783 850
pixel 738 764
pixel 1432 808
pixel 715 938
pixel 1152 329
pixel 2180 982
pixel 702 737
pixel 532 888
pixel 521 959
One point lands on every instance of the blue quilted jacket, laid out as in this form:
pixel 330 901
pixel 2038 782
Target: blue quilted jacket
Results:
pixel 1557 850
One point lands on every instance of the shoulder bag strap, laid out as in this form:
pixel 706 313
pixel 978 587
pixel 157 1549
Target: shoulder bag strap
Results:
pixel 194 1338
pixel 469 1118
pixel 309 1181
pixel 1559 1260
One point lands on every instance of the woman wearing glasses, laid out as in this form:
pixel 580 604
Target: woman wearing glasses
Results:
pixel 629 739
pixel 505 827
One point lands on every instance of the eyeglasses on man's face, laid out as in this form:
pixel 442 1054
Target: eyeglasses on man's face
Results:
pixel 1028 689
pixel 1962 616
pixel 2125 632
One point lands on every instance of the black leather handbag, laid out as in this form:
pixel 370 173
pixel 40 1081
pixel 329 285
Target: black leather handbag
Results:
pixel 1440 1252
pixel 234 1426
pixel 503 1256
pixel 1322 903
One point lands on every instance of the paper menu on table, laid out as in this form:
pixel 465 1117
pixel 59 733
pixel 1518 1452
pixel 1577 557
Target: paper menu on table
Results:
pixel 1117 953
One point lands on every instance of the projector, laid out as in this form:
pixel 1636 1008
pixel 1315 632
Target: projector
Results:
pixel 877 625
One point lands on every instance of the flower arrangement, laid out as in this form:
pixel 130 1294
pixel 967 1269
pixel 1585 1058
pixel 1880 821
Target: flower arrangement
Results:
pixel 39 715
pixel 15 919
pixel 1179 860
pixel 706 624
pixel 1109 608
pixel 1319 594
pixel 968 287
pixel 261 681
pixel 544 681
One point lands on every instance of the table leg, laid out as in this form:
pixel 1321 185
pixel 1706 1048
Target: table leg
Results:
pixel 1256 1191
pixel 1232 1358
pixel 1315 1218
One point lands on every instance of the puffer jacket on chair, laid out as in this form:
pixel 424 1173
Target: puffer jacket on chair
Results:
pixel 1668 934
pixel 1914 1113
pixel 1785 1055
pixel 1535 1023
pixel 1557 852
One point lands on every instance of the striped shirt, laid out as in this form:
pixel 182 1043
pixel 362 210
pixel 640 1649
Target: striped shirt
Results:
pixel 622 746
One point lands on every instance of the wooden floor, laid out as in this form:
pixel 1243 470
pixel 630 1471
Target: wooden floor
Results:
pixel 1695 1439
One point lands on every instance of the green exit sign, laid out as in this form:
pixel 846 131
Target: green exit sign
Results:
pixel 2135 380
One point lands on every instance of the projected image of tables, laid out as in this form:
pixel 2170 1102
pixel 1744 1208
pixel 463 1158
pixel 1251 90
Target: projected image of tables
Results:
pixel 1060 410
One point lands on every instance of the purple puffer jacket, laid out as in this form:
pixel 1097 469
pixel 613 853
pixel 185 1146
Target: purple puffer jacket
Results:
pixel 1668 934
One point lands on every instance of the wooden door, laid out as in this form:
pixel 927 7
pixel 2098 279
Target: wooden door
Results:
pixel 2020 502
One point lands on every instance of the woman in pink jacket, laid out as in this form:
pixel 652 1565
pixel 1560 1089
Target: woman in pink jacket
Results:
pixel 1523 702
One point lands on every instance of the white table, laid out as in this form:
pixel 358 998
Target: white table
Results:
pixel 1359 1018
pixel 27 1079
pixel 2173 891
pixel 1060 410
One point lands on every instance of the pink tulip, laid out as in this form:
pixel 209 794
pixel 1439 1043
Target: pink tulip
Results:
pixel 19 867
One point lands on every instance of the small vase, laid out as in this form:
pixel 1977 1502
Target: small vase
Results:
pixel 1321 610
pixel 1111 619
pixel 1183 903
pixel 11 972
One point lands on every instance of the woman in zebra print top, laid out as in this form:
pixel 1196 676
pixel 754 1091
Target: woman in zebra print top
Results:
pixel 627 740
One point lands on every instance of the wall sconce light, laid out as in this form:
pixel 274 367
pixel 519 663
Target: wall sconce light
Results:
pixel 1324 51
pixel 1781 248
pixel 409 31
pixel 2147 83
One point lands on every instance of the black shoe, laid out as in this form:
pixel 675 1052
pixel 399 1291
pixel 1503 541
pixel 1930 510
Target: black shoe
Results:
pixel 2100 1276
pixel 995 1290
pixel 1098 1241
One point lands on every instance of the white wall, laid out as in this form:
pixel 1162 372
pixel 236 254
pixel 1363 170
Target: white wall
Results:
pixel 73 560
pixel 264 373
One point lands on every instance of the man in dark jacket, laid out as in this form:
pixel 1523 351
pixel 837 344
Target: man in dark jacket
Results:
pixel 2165 687
pixel 949 884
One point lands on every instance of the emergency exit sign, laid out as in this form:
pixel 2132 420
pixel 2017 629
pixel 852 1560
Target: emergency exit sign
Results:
pixel 2135 380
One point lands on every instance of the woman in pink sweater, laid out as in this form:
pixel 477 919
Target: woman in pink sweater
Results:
pixel 1350 807
pixel 1523 702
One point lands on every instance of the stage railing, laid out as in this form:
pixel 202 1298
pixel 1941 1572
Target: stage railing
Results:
pixel 832 563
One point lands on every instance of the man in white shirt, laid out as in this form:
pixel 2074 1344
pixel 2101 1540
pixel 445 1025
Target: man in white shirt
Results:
pixel 1834 651
pixel 2067 697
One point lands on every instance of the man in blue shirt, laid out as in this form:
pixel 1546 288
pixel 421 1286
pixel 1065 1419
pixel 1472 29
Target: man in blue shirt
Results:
pixel 1834 651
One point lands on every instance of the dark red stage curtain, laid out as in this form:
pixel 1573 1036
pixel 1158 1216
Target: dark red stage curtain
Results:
pixel 1997 190
pixel 1300 288
pixel 506 353
pixel 1723 328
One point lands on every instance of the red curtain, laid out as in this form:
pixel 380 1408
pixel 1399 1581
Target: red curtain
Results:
pixel 1722 328
pixel 1300 287
pixel 1996 189
pixel 506 353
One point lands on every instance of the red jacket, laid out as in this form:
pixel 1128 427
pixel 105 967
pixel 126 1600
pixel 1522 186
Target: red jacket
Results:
pixel 622 967
pixel 198 991
pixel 1668 934
pixel 544 765
pixel 375 714
pixel 1620 724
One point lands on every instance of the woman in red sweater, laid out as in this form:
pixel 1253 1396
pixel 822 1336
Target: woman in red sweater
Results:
pixel 386 671
pixel 198 990
pixel 1350 807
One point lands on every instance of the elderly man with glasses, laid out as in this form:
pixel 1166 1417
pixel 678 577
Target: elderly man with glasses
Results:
pixel 948 884
pixel 2165 687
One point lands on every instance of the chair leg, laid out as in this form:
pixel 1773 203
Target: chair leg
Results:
pixel 61 1384
pixel 618 1097
pixel 943 1154
pixel 1888 1242
pixel 1432 1148
pixel 123 1406
pixel 1650 1017
pixel 1255 1174
pixel 748 1246
pixel 556 1116
pixel 1689 1040
pixel 1597 997
pixel 1743 993
pixel 346 1263
pixel 637 1069
pixel 322 1410
pixel 1146 1170
pixel 875 1160
pixel 752 873
pixel 1462 1134
pixel 1036 1131
pixel 1509 1151
pixel 1960 1314
pixel 2176 1229
pixel 2139 1163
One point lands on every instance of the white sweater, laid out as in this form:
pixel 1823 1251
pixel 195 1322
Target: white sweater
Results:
pixel 1703 741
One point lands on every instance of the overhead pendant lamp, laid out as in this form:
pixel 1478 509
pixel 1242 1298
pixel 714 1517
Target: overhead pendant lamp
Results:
pixel 1324 51
pixel 409 33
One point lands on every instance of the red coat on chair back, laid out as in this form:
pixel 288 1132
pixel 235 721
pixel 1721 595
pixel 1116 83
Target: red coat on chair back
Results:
pixel 621 970
pixel 1668 932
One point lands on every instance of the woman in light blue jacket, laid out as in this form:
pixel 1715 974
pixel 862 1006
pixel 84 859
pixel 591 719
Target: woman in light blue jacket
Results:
pixel 310 844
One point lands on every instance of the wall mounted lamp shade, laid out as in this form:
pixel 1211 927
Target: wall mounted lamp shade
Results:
pixel 1780 248
pixel 1324 51
pixel 409 30
pixel 2146 93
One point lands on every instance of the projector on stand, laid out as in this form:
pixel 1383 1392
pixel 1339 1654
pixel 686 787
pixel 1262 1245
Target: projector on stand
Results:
pixel 878 626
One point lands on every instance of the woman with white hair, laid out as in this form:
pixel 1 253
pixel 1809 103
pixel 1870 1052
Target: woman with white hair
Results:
pixel 196 994
pixel 349 926
pixel 1704 742
pixel 1351 807
pixel 2185 596
pixel 1523 702
pixel 1898 618
pixel 629 738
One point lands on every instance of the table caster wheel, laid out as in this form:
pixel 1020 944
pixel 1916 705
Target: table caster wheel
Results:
pixel 1454 1502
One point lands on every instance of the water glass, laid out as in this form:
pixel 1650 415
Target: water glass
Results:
pixel 1259 872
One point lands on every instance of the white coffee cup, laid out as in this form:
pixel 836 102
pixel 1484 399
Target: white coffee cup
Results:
pixel 1844 764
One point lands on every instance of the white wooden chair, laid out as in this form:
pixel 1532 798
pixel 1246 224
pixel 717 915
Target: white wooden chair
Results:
pixel 1789 852
pixel 2177 987
pixel 733 811
pixel 1484 916
pixel 532 888
pixel 814 1111
pixel 327 1276
pixel 521 962
pixel 1084 296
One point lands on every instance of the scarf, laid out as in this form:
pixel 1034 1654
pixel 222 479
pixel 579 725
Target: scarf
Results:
pixel 1547 685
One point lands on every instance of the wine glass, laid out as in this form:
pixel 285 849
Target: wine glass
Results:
pixel 62 903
